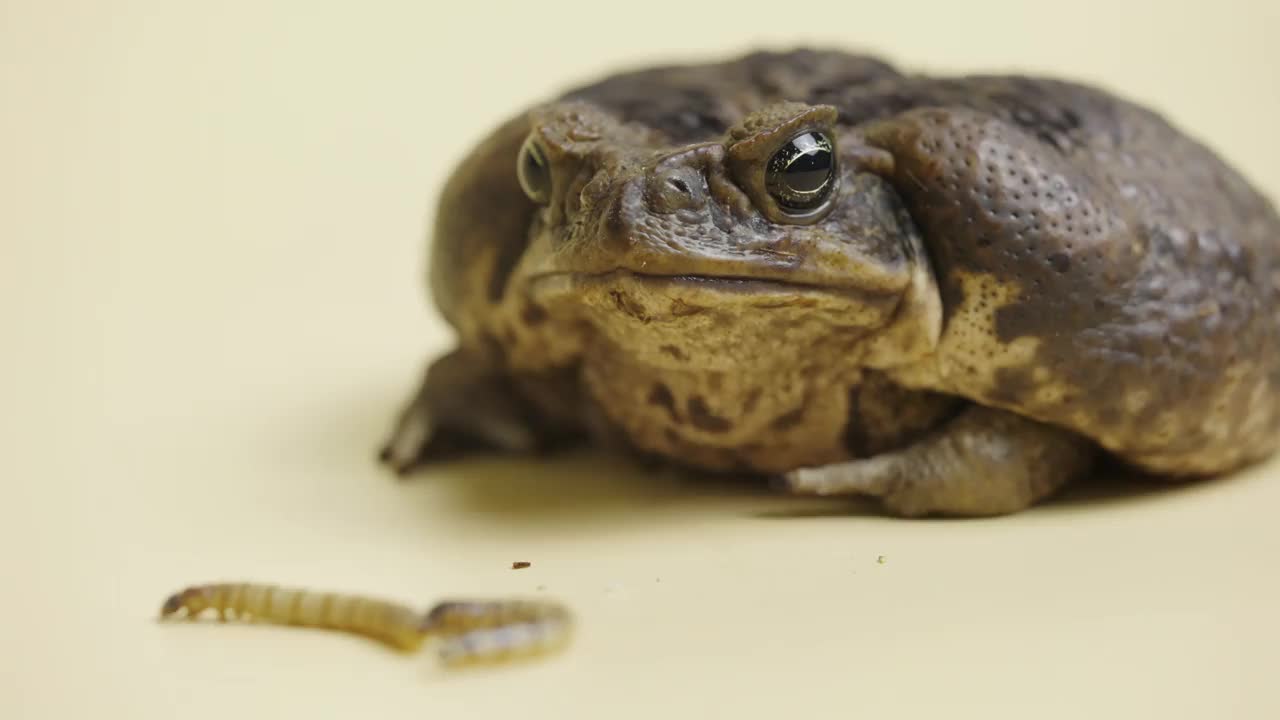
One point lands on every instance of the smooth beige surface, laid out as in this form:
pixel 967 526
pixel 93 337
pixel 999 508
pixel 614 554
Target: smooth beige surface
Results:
pixel 211 217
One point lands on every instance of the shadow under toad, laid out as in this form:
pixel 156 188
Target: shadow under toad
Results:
pixel 571 487
pixel 605 487
pixel 586 486
pixel 591 487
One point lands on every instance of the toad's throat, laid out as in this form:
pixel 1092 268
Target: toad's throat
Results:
pixel 715 322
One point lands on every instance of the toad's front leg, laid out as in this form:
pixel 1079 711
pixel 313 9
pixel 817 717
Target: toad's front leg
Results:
pixel 983 462
pixel 464 403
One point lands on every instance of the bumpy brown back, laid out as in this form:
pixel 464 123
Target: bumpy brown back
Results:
pixel 1101 270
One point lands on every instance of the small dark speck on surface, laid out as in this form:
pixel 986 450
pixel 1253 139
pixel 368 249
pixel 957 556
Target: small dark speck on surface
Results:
pixel 520 565
pixel 542 588
pixel 879 559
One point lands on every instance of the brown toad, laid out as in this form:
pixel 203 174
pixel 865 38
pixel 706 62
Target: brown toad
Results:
pixel 950 293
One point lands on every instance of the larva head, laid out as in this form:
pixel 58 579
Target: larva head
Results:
pixel 192 599
pixel 172 605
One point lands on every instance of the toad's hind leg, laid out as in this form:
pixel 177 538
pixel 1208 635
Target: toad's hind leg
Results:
pixel 983 462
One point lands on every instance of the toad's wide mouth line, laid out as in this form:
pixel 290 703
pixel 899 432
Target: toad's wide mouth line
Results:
pixel 729 284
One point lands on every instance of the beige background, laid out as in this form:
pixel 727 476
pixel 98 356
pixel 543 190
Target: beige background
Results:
pixel 212 217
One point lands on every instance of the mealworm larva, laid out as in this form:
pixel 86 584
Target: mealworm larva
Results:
pixel 393 624
pixel 470 631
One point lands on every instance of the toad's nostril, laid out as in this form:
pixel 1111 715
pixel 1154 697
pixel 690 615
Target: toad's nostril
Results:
pixel 676 189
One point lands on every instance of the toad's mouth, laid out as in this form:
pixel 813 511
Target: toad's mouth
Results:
pixel 561 283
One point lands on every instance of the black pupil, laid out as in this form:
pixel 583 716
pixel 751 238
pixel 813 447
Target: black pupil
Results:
pixel 799 173
pixel 809 169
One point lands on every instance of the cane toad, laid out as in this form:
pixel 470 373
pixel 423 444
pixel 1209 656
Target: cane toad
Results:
pixel 951 293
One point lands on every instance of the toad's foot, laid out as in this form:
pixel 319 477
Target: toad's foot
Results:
pixel 984 462
pixel 464 404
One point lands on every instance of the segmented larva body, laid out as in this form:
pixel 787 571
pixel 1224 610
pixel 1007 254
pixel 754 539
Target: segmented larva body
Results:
pixel 393 624
pixel 471 631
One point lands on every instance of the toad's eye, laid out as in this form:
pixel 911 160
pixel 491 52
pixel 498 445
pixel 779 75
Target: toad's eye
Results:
pixel 534 172
pixel 801 174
